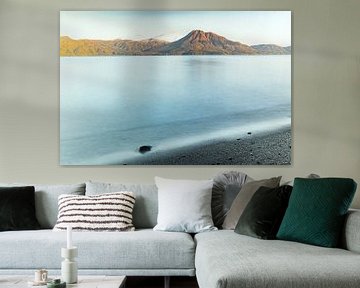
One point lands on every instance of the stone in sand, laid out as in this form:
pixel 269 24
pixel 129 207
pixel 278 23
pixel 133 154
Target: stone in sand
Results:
pixel 144 149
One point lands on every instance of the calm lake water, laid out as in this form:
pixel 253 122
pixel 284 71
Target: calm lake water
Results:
pixel 112 105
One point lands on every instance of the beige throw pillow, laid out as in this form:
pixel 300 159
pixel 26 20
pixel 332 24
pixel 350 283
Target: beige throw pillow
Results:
pixel 243 198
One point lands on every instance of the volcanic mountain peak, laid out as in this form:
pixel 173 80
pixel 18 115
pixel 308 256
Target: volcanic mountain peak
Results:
pixel 201 36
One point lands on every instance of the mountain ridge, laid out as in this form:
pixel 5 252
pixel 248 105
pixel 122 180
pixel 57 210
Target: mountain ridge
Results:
pixel 197 42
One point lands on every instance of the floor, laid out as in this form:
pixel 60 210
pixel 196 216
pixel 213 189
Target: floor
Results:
pixel 158 282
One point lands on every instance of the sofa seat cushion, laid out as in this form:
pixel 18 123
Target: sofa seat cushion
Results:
pixel 226 259
pixel 142 249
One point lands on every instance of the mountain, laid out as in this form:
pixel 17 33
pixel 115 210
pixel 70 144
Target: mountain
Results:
pixel 142 47
pixel 271 49
pixel 85 47
pixel 197 42
pixel 71 47
pixel 288 49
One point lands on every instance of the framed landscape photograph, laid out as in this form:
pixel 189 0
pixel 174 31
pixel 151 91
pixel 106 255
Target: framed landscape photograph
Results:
pixel 175 88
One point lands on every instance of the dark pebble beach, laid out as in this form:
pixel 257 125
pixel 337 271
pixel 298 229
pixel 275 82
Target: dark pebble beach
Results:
pixel 266 148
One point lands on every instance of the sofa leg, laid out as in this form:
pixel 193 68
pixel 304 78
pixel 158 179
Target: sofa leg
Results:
pixel 167 282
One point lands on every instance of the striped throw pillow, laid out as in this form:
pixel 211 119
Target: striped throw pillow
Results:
pixel 105 212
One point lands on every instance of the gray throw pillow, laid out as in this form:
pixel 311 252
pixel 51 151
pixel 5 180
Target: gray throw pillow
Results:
pixel 242 199
pixel 46 200
pixel 263 214
pixel 184 205
pixel 226 187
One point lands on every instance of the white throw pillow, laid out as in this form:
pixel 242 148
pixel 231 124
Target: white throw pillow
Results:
pixel 104 212
pixel 184 205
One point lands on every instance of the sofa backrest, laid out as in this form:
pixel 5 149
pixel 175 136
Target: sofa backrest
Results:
pixel 146 203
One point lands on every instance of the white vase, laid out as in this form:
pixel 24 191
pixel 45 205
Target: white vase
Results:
pixel 69 270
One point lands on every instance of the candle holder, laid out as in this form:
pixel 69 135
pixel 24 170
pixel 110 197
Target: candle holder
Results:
pixel 69 271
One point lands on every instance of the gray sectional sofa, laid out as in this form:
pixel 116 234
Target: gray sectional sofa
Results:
pixel 219 259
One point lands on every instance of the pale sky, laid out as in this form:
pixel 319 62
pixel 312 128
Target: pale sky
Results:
pixel 248 27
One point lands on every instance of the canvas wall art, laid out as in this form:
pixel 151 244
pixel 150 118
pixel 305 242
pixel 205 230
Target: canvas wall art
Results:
pixel 175 87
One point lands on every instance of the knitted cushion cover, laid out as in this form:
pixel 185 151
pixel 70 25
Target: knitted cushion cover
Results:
pixel 316 211
pixel 105 212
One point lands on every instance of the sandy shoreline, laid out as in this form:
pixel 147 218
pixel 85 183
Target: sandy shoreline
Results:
pixel 271 148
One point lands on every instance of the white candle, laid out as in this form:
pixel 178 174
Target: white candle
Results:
pixel 69 237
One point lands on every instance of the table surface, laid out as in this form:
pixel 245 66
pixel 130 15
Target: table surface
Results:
pixel 84 281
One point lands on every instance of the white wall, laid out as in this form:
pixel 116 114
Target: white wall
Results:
pixel 326 91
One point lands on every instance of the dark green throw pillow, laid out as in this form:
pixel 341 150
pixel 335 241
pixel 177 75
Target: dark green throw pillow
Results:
pixel 316 211
pixel 263 214
pixel 17 208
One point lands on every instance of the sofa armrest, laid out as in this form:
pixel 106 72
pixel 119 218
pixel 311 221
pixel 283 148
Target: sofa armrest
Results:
pixel 351 234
